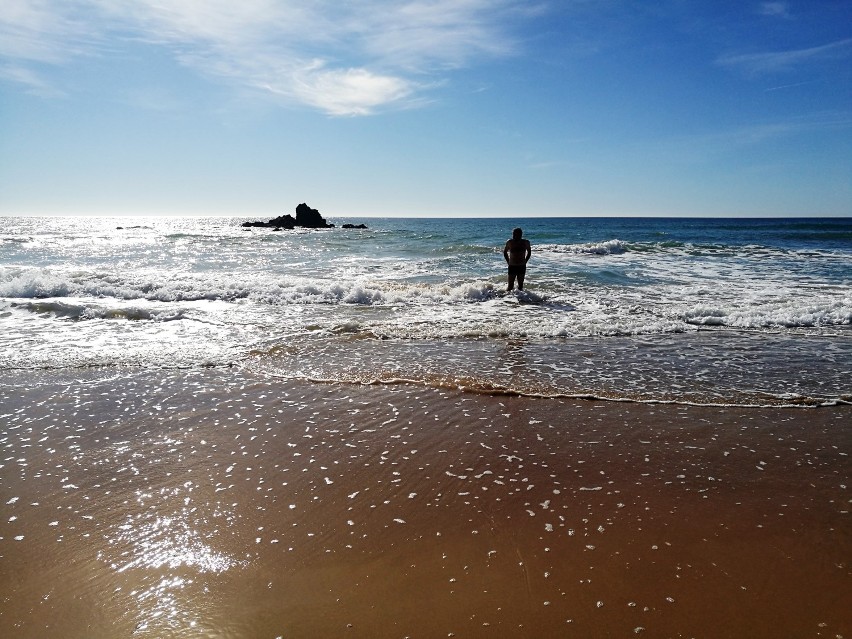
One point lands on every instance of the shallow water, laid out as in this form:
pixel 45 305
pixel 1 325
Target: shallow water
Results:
pixel 221 503
pixel 705 368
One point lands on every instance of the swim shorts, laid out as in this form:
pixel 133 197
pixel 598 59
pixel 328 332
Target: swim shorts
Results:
pixel 517 269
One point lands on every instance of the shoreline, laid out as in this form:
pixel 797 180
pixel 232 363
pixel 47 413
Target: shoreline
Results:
pixel 436 383
pixel 807 403
pixel 706 368
pixel 197 502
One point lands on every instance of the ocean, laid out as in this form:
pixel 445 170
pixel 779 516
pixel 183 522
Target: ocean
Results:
pixel 707 311
pixel 691 310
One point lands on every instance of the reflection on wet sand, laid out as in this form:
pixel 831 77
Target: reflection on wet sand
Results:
pixel 210 503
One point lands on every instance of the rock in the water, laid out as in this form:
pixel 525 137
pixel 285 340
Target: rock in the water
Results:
pixel 283 221
pixel 310 218
pixel 306 217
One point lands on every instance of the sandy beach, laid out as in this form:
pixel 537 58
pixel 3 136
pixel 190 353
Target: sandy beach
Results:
pixel 215 503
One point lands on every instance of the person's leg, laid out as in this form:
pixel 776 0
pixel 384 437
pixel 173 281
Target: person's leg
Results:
pixel 521 271
pixel 511 280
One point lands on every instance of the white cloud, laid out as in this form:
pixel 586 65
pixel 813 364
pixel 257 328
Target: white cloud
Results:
pixel 346 91
pixel 774 61
pixel 349 58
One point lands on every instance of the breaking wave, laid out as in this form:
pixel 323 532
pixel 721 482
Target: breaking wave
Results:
pixel 88 311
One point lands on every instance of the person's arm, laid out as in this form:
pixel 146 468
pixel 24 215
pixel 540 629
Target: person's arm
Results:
pixel 506 252
pixel 529 251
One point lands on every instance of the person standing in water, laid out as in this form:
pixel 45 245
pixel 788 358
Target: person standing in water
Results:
pixel 517 253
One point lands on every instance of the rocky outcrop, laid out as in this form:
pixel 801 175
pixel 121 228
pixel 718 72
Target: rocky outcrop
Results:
pixel 354 226
pixel 310 218
pixel 306 217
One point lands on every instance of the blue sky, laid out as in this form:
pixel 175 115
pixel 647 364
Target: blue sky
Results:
pixel 426 107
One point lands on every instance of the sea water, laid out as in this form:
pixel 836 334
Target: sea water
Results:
pixel 711 311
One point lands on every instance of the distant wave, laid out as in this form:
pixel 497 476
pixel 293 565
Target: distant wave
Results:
pixel 463 249
pixel 610 247
pixel 619 247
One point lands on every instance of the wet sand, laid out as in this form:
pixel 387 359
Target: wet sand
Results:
pixel 216 504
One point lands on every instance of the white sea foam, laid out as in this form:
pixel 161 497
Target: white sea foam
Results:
pixel 415 309
pixel 837 312
pixel 174 287
pixel 89 311
pixel 609 247
pixel 32 283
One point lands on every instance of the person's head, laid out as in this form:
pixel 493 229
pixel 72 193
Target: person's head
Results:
pixel 517 233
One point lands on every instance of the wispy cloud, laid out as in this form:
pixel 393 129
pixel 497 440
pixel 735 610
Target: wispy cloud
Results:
pixel 699 147
pixel 33 83
pixel 791 86
pixel 351 58
pixel 44 31
pixel 778 9
pixel 774 61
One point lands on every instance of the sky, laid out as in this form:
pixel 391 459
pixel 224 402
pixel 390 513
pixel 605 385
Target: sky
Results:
pixel 424 108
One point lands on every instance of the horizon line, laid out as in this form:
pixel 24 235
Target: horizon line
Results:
pixel 438 216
